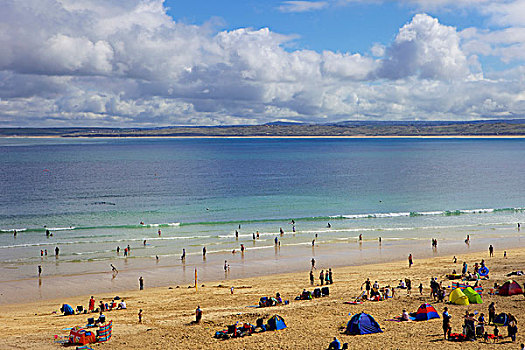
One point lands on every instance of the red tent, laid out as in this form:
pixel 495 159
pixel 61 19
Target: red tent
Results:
pixel 510 287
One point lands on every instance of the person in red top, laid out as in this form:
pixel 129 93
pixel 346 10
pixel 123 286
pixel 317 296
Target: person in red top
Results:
pixel 91 304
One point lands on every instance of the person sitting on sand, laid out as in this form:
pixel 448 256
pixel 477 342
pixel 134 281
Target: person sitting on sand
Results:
pixel 402 284
pixel 335 344
pixel 278 298
pixel 121 305
pixel 404 316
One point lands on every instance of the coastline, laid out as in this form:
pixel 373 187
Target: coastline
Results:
pixel 168 312
pixel 276 137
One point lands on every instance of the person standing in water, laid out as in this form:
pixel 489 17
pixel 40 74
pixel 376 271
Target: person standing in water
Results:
pixel 39 270
pixel 183 256
pixel 141 283
pixel 313 264
pixel 57 251
pixel 203 252
pixel 159 232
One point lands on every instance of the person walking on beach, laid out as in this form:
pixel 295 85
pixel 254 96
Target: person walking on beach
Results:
pixel 410 262
pixel 141 283
pixel 57 250
pixel 311 277
pixel 321 277
pixel 492 313
pixel 491 251
pixel 446 323
pixel 313 263
pixel 198 314
pixel 39 270
pixel 183 256
pixel 140 316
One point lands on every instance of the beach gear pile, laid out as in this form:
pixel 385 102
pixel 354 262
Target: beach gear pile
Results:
pixel 269 301
pixel 275 323
pixel 317 293
pixel 83 336
pixel 362 323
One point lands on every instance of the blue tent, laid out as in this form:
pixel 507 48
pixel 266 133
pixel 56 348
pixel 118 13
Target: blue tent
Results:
pixel 67 309
pixel 276 323
pixel 362 324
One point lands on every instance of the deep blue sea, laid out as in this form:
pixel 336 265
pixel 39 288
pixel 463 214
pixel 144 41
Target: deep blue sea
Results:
pixel 93 194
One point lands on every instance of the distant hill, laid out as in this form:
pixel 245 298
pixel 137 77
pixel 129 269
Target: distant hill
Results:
pixel 514 127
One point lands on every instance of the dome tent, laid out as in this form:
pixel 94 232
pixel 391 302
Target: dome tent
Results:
pixel 510 287
pixel 426 312
pixel 473 296
pixel 362 324
pixel 458 297
pixel 276 323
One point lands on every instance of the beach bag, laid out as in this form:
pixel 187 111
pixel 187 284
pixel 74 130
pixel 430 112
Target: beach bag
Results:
pixel 325 291
pixel 317 292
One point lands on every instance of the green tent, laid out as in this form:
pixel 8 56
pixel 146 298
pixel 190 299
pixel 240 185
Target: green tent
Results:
pixel 473 296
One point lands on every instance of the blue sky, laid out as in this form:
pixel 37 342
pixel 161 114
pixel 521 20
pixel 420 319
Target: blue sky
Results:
pixel 158 63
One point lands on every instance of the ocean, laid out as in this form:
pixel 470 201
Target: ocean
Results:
pixel 95 195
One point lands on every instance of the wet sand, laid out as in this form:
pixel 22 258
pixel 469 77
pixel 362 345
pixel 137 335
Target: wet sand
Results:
pixel 255 262
pixel 311 324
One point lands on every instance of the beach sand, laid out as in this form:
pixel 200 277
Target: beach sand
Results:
pixel 168 313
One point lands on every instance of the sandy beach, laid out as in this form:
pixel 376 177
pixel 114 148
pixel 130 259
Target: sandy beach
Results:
pixel 169 311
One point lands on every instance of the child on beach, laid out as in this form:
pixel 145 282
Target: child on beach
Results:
pixel 198 314
pixel 421 289
pixel 140 316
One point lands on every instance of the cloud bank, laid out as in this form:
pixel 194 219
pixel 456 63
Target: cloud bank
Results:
pixel 114 63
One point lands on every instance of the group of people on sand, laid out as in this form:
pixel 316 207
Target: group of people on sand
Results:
pixel 115 304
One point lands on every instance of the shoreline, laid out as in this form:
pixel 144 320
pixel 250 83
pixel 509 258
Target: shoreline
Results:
pixel 276 137
pixel 337 256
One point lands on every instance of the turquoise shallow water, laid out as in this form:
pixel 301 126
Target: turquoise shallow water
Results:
pixel 93 194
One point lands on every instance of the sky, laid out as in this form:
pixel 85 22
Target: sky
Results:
pixel 152 63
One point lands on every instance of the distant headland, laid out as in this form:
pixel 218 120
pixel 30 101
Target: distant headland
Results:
pixel 478 128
